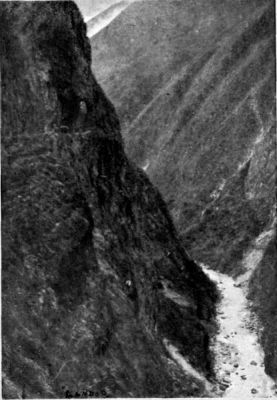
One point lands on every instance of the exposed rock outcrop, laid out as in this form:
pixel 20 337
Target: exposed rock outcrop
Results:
pixel 88 245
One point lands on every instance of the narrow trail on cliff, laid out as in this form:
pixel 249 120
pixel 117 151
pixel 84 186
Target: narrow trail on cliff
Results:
pixel 239 357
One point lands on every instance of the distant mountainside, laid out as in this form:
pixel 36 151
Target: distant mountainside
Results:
pixel 205 109
pixel 212 146
pixel 193 83
pixel 152 40
pixel 95 282
pixel 97 23
pixel 91 8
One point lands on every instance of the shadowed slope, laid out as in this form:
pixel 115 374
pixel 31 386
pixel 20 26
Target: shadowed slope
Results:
pixel 88 244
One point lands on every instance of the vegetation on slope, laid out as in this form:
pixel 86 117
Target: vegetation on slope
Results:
pixel 88 244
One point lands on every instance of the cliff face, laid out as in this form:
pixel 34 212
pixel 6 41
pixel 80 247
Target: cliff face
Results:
pixel 200 121
pixel 90 254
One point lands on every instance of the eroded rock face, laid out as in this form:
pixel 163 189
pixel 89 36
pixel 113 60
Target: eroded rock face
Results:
pixel 88 244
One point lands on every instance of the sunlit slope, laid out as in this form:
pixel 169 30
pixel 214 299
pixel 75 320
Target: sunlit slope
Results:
pixel 151 40
pixel 98 22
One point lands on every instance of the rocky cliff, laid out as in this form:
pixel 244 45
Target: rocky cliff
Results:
pixel 94 277
pixel 198 116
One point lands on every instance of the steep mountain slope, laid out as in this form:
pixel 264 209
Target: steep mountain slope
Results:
pixel 141 50
pixel 97 23
pixel 197 106
pixel 94 278
pixel 264 296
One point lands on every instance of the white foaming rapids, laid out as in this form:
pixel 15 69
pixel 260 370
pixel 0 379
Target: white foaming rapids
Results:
pixel 239 357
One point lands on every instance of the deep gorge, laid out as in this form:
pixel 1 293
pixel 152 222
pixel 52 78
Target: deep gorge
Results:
pixel 135 164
